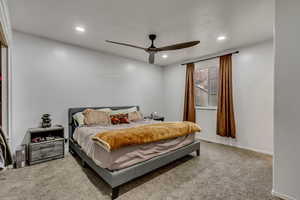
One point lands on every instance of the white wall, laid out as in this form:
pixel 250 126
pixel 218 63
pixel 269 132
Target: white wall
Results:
pixel 50 77
pixel 253 71
pixel 287 100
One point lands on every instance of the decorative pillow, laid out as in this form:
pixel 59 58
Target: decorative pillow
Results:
pixel 123 111
pixel 115 120
pixel 96 117
pixel 124 120
pixel 119 119
pixel 79 117
pixel 135 116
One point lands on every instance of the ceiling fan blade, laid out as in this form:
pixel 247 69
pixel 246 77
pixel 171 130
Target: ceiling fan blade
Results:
pixel 178 46
pixel 124 44
pixel 151 57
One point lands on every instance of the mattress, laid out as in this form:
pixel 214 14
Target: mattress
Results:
pixel 126 156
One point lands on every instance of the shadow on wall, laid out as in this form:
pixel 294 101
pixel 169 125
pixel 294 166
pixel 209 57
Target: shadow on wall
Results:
pixel 26 139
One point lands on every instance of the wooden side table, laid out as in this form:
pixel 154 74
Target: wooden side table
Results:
pixel 46 144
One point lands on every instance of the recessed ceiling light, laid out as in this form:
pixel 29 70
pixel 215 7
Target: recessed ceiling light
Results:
pixel 221 38
pixel 164 56
pixel 80 29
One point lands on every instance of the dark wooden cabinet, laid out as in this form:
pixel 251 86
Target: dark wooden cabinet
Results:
pixel 50 147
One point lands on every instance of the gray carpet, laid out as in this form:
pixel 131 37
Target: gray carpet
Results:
pixel 220 173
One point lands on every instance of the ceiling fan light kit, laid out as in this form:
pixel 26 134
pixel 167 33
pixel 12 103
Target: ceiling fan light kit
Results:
pixel 152 50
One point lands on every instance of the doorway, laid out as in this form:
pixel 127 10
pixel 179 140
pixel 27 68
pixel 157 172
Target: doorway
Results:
pixel 1 60
pixel 4 86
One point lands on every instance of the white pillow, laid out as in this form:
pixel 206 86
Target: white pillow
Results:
pixel 79 117
pixel 105 110
pixel 135 116
pixel 123 111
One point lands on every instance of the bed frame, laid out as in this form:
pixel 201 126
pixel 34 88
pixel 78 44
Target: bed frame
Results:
pixel 118 177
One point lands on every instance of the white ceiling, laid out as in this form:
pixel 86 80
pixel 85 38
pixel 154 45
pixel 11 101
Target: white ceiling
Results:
pixel 242 21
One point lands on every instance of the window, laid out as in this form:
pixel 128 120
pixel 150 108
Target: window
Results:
pixel 206 86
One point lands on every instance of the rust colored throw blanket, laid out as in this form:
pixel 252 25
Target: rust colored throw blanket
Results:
pixel 116 139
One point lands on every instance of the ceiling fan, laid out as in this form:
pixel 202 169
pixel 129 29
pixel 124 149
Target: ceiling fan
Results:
pixel 152 50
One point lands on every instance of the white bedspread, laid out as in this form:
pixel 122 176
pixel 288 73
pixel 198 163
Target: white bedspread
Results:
pixel 126 156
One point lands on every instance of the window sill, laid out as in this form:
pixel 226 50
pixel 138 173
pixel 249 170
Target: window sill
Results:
pixel 206 108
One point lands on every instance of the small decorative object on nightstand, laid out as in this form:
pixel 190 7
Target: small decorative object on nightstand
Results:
pixel 46 144
pixel 155 116
pixel 46 121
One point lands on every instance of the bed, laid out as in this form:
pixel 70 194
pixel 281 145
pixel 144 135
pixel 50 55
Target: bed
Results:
pixel 125 164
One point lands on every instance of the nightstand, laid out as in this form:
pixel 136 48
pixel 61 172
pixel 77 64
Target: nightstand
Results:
pixel 159 119
pixel 46 144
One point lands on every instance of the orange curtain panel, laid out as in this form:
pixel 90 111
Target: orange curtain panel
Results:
pixel 225 112
pixel 189 113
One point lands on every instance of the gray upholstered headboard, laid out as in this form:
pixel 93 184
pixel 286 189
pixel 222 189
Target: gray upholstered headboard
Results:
pixel 73 111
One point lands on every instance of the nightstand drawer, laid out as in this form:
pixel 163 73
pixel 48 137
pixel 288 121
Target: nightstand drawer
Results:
pixel 46 150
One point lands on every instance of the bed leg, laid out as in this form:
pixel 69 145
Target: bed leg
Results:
pixel 114 192
pixel 198 152
pixel 83 164
pixel 71 151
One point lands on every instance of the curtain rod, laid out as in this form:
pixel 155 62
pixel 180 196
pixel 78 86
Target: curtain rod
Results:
pixel 210 58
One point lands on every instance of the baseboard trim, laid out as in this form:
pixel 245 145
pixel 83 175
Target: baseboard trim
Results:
pixel 282 196
pixel 256 150
pixel 238 146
